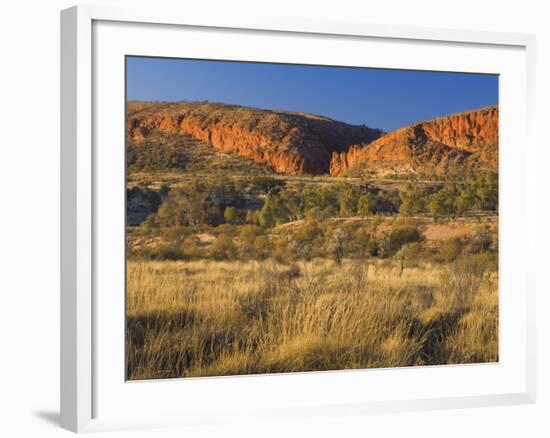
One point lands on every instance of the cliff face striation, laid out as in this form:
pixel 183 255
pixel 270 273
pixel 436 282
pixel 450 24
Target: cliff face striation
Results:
pixel 435 146
pixel 287 142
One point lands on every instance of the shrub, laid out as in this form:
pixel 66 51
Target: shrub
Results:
pixel 482 241
pixel 392 241
pixel 451 249
pixel 247 233
pixel 150 224
pixel 251 217
pixel 338 245
pixel 168 252
pixel 192 248
pixel 315 214
pixel 262 247
pixel 308 232
pixel 364 205
pixel 364 243
pixel 174 234
pixel 223 248
pixel 233 216
pixel 281 251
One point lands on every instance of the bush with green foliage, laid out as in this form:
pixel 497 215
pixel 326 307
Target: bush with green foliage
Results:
pixel 223 248
pixel 184 206
pixel 413 200
pixel 233 216
pixel 252 217
pixel 442 203
pixel 214 201
pixel 364 243
pixel 365 205
pixel 175 234
pixel 458 195
pixel 392 241
pixel 348 199
pixel 168 252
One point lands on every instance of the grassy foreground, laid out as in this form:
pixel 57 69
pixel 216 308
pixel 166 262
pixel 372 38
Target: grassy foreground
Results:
pixel 212 318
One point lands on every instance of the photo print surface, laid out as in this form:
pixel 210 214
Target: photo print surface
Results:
pixel 291 218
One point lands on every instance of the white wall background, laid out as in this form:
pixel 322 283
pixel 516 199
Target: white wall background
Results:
pixel 29 216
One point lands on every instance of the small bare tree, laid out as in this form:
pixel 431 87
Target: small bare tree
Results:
pixel 337 245
pixel 400 257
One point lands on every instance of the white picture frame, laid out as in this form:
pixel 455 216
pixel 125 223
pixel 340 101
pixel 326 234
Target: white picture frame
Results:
pixel 83 174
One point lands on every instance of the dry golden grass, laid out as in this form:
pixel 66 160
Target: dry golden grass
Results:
pixel 207 318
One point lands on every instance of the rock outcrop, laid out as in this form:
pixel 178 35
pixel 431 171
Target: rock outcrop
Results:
pixel 435 146
pixel 287 142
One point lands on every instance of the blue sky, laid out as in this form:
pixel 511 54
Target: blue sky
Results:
pixel 379 98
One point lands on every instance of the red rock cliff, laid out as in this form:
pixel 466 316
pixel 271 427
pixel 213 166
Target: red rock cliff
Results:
pixel 287 142
pixel 436 145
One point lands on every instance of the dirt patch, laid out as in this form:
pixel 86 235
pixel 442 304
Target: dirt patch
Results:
pixel 459 228
pixel 446 231
pixel 205 238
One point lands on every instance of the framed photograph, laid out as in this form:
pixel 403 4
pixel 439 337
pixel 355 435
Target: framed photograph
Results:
pixel 279 219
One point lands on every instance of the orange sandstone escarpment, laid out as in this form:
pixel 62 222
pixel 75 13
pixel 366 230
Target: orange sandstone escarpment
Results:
pixel 435 145
pixel 287 142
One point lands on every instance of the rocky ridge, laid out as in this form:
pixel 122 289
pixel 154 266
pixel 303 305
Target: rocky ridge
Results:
pixel 287 142
pixel 437 145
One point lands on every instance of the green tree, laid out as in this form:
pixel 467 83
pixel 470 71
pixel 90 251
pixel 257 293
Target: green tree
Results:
pixel 465 201
pixel 150 223
pixel 314 214
pixel 232 216
pixel 168 214
pixel 324 199
pixel 364 205
pixel 251 217
pixel 412 200
pixel 347 200
pixel 184 206
pixel 294 202
pixel 443 202
pixel 279 210
pixel 437 204
pixel 265 217
pixel 192 207
pixel 487 191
